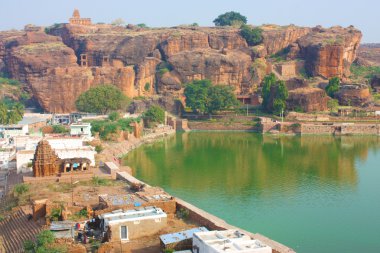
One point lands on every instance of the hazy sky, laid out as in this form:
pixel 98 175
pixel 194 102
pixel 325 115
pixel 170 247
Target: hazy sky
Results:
pixel 363 14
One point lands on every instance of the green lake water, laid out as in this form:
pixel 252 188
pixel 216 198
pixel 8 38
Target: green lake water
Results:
pixel 314 193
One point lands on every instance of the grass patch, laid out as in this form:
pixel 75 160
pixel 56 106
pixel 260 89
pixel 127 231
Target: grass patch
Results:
pixel 358 72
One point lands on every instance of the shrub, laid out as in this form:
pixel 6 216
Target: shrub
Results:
pixel 21 188
pixel 154 114
pixel 99 148
pixel 183 213
pixel 253 36
pixel 147 87
pixel 56 214
pixel 113 116
pixel 59 129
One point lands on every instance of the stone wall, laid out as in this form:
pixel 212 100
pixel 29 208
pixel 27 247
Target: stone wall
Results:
pixel 341 129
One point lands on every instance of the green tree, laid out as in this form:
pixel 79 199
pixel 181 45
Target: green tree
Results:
pixel 220 97
pixel 269 81
pixel 333 86
pixel 155 114
pixel 332 104
pixel 142 25
pixel 13 117
pixel 252 35
pixel 203 97
pixel 101 99
pixel 278 106
pixel 277 103
pixel 196 94
pixel 3 113
pixel 230 18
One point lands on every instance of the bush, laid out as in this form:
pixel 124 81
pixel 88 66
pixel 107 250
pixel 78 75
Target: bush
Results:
pixel 230 18
pixel 253 36
pixel 147 87
pixel 154 114
pixel 44 243
pixel 56 214
pixel 99 149
pixel 59 129
pixel 21 188
pixel 183 213
pixel 113 116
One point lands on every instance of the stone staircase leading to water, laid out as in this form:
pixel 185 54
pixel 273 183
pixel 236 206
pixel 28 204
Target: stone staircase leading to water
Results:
pixel 15 230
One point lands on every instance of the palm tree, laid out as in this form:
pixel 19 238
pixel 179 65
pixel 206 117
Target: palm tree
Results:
pixel 19 109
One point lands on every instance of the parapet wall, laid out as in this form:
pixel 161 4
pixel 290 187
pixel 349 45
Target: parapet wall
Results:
pixel 341 129
pixel 212 222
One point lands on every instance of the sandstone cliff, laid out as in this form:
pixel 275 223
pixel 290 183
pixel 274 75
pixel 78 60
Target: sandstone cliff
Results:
pixel 330 52
pixel 57 67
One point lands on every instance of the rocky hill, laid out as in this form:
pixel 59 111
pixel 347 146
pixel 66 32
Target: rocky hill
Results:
pixel 59 63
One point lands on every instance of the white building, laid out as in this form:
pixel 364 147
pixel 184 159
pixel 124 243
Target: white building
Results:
pixel 80 129
pixel 8 131
pixel 232 241
pixel 132 224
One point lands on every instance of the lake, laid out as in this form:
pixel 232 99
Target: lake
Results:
pixel 311 193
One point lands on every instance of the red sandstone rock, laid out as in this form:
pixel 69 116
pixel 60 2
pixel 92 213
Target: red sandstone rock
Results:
pixel 307 99
pixel 129 58
pixel 354 95
pixel 330 52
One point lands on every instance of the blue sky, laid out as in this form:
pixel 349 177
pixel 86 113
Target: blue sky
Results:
pixel 362 14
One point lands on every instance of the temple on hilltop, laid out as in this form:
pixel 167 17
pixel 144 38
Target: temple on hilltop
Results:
pixel 77 20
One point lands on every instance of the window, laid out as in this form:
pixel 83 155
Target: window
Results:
pixel 123 232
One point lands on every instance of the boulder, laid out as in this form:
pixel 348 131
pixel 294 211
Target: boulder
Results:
pixel 354 95
pixel 330 52
pixel 231 68
pixel 307 99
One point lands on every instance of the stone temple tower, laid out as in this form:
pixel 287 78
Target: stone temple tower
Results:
pixel 77 20
pixel 45 162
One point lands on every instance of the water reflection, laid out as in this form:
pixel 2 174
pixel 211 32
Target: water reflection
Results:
pixel 238 162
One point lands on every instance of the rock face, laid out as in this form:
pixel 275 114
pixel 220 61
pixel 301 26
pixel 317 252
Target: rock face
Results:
pixel 354 95
pixel 307 100
pixel 276 38
pixel 330 52
pixel 57 67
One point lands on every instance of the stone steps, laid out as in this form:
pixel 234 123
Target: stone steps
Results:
pixel 16 230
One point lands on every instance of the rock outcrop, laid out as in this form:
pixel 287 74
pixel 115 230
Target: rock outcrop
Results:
pixel 307 100
pixel 354 95
pixel 330 52
pixel 57 67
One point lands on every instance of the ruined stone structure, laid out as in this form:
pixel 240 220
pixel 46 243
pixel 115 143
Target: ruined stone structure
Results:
pixel 45 162
pixel 354 94
pixel 77 20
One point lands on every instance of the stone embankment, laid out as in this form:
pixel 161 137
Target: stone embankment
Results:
pixel 113 151
pixel 269 126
